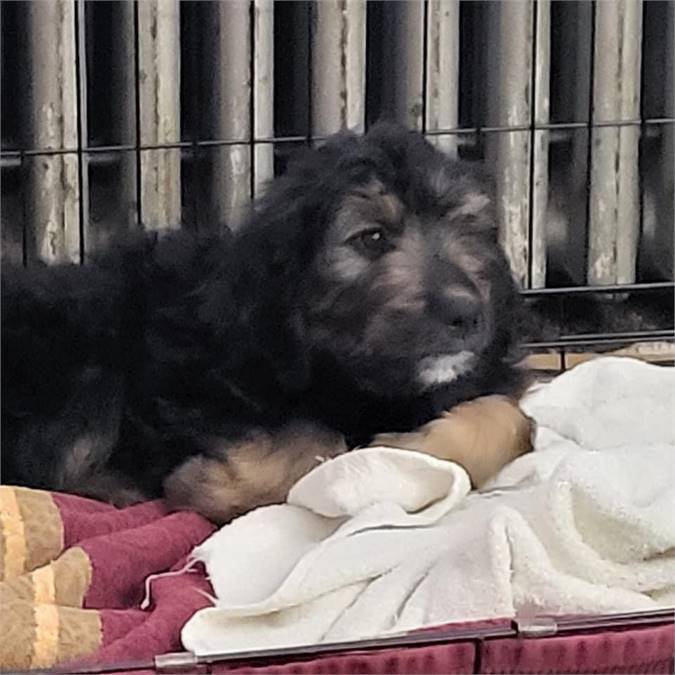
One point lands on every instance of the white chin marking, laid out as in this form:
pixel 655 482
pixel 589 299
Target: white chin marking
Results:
pixel 435 370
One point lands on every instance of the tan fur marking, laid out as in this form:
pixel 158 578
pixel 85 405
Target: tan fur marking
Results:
pixel 369 204
pixel 252 473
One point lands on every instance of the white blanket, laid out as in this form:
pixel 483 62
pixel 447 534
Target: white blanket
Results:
pixel 383 540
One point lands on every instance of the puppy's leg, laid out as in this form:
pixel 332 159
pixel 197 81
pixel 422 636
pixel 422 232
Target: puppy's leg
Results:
pixel 63 388
pixel 260 470
pixel 482 435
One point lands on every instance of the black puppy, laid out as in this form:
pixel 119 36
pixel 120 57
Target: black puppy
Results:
pixel 366 293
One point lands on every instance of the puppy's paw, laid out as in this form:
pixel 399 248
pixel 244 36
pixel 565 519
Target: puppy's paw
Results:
pixel 239 477
pixel 212 488
pixel 482 435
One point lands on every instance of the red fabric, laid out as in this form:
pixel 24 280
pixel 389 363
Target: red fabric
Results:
pixel 124 547
pixel 86 518
pixel 450 658
pixel 640 650
pixel 122 560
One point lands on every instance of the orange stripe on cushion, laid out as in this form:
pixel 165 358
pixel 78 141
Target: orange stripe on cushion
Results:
pixel 13 562
pixel 44 588
pixel 46 644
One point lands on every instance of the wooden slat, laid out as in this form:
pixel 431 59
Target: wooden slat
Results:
pixel 651 352
pixel 159 81
pixel 52 195
pixel 338 66
pixel 614 209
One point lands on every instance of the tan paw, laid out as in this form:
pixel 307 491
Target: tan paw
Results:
pixel 482 435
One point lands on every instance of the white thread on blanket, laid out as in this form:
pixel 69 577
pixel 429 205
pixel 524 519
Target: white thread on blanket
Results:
pixel 186 569
pixel 210 597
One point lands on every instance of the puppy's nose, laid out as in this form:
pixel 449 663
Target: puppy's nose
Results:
pixel 461 311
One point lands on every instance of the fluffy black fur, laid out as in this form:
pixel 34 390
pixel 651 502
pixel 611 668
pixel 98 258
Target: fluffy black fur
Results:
pixel 369 256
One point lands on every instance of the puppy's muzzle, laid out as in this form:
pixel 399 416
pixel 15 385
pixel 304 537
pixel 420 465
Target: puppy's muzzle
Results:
pixel 462 315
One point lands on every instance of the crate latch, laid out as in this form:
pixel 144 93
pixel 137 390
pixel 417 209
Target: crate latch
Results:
pixel 177 662
pixel 537 626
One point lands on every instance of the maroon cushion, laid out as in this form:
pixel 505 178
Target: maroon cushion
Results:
pixel 638 650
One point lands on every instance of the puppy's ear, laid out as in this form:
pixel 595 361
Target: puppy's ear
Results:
pixel 273 253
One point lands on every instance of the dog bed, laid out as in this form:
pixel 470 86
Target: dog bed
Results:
pixel 75 572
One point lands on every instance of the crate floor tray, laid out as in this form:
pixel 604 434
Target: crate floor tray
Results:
pixel 638 642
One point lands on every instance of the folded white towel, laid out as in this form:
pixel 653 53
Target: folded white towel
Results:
pixel 383 540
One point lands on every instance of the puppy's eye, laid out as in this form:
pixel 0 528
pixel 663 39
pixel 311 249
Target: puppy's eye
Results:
pixel 372 242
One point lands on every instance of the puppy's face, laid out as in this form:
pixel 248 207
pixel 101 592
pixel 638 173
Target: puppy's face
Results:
pixel 409 289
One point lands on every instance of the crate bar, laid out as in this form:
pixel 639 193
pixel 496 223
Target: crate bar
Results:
pixel 588 340
pixel 52 197
pixel 614 207
pixel 338 66
pixel 13 157
pixel 510 36
pixel 658 222
pixel 442 72
pixel 521 628
pixel 227 108
pixel 540 144
pixel 403 40
pixel 81 104
pixel 598 290
pixel 159 92
pixel 263 93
